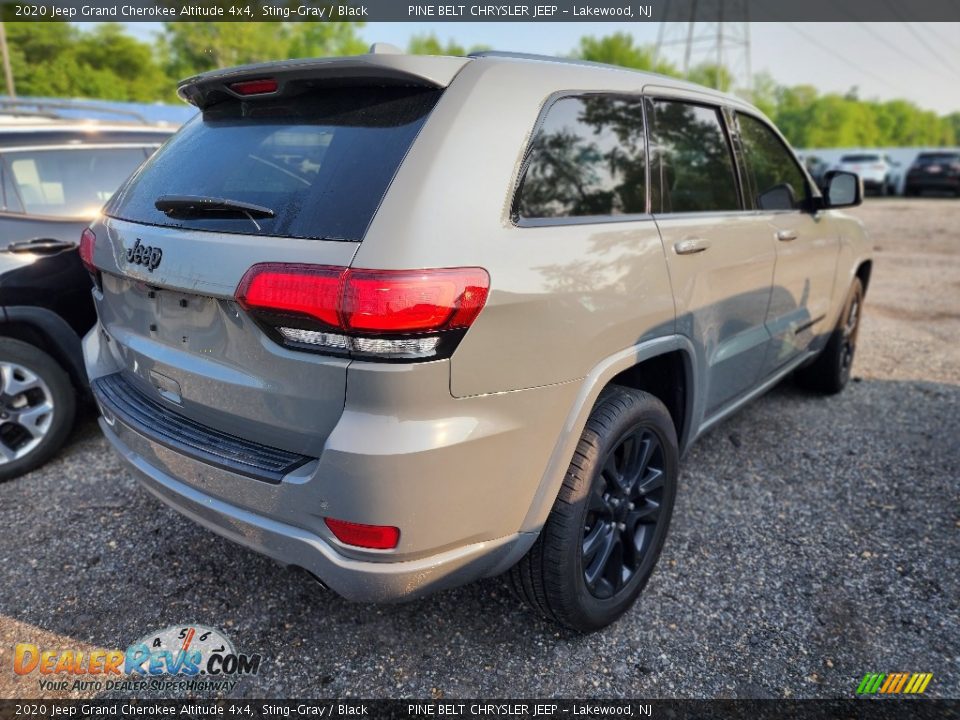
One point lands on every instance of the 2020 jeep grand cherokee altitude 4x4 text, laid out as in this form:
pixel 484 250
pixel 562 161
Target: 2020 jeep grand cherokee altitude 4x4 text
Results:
pixel 408 321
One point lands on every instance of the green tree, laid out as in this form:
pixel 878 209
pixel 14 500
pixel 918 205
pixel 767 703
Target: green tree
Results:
pixel 763 94
pixel 191 48
pixel 953 128
pixel 57 60
pixel 712 75
pixel 620 49
pixel 428 44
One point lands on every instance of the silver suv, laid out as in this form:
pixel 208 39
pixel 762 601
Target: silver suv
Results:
pixel 406 322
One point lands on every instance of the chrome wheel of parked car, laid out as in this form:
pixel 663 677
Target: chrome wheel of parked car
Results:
pixel 26 411
pixel 37 405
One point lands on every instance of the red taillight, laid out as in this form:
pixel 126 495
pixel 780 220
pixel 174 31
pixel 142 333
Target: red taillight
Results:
pixel 400 314
pixel 87 242
pixel 374 537
pixel 254 87
pixel 413 301
pixel 312 290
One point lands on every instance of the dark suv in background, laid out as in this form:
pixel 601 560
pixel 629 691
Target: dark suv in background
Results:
pixel 934 171
pixel 55 174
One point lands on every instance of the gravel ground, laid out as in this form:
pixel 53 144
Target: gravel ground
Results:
pixel 814 540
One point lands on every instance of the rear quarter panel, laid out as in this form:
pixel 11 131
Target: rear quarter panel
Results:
pixel 563 297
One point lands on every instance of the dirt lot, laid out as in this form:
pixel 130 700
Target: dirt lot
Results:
pixel 814 540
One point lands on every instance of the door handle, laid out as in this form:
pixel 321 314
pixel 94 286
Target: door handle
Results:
pixel 786 235
pixel 40 245
pixel 691 246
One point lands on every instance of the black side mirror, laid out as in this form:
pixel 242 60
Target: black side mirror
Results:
pixel 842 189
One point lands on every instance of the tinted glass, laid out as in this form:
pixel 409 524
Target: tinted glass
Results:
pixel 586 159
pixel 71 183
pixel 320 161
pixel 860 158
pixel 692 160
pixel 11 201
pixel 773 176
pixel 931 158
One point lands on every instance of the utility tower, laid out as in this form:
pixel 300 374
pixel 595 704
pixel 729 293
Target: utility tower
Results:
pixel 698 29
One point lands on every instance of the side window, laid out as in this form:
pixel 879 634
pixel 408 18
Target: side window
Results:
pixel 691 159
pixel 71 182
pixel 9 199
pixel 587 158
pixel 773 176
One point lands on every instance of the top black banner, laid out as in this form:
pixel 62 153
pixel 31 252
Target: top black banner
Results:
pixel 626 11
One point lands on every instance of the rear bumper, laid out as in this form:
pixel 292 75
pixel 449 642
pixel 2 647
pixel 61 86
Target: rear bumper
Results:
pixel 934 183
pixel 458 476
pixel 363 581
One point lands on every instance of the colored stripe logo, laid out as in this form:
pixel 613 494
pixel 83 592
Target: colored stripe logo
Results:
pixel 894 683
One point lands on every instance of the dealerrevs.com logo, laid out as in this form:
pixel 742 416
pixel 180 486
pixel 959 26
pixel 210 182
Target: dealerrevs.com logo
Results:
pixel 191 657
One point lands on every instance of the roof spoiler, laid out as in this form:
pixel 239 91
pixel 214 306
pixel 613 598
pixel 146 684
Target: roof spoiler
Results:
pixel 382 67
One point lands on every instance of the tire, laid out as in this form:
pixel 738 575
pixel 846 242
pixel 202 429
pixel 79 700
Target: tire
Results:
pixel 830 372
pixel 598 513
pixel 30 381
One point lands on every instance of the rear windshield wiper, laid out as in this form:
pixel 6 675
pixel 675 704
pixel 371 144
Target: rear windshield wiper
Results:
pixel 202 205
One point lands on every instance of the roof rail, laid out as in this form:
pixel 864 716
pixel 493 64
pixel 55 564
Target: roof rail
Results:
pixel 543 58
pixel 47 108
pixel 565 61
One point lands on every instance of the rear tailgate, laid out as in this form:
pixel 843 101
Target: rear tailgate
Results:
pixel 184 341
pixel 313 162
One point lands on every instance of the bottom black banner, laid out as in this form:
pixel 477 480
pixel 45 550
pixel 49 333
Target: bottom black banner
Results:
pixel 866 709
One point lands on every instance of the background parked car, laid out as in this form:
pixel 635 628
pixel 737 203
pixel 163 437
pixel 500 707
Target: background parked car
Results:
pixel 816 166
pixel 877 171
pixel 934 171
pixel 55 173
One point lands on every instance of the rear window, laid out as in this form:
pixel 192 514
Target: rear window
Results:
pixel 930 158
pixel 860 158
pixel 320 161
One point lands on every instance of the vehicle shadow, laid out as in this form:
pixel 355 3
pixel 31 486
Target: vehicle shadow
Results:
pixel 805 528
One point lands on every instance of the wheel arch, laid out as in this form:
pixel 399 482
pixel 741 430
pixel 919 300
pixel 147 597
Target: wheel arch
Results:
pixel 646 367
pixel 49 332
pixel 863 273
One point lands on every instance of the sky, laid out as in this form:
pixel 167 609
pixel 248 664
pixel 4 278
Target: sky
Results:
pixel 914 61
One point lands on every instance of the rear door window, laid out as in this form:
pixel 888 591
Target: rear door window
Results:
pixel 320 161
pixel 68 182
pixel 774 179
pixel 691 160
pixel 587 159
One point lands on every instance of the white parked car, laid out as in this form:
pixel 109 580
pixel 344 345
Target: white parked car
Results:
pixel 878 171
